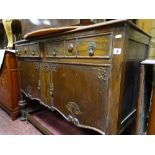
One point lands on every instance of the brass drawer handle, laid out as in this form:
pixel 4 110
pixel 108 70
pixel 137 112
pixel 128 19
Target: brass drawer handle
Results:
pixel 54 52
pixel 70 48
pixel 25 52
pixel 33 52
pixel 70 118
pixel 91 48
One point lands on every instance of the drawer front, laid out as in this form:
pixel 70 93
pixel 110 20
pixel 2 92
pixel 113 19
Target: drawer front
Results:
pixel 34 50
pixel 94 46
pixel 30 50
pixel 70 48
pixel 55 49
pixel 21 51
pixel 80 93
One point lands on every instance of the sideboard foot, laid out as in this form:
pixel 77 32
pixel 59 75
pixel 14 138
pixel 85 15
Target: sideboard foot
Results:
pixel 22 104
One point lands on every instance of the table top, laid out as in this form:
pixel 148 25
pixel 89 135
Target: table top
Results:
pixel 90 27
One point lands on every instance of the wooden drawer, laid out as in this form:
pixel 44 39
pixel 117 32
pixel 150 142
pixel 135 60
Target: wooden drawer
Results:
pixel 55 49
pixel 22 50
pixel 70 48
pixel 30 50
pixel 94 46
pixel 34 50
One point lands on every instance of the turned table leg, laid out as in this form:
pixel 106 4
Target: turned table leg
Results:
pixel 22 105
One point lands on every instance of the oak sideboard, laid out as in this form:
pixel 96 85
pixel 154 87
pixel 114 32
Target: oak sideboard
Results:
pixel 89 75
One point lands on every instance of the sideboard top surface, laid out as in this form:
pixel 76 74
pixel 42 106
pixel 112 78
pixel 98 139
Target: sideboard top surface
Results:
pixel 89 27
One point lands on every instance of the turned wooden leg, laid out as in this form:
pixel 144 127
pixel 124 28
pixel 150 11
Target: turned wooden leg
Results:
pixel 22 105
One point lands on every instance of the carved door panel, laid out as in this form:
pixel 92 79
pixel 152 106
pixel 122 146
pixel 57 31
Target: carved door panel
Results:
pixel 80 94
pixel 30 79
pixel 46 84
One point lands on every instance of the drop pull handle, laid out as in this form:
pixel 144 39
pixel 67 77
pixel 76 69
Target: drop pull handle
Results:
pixel 54 52
pixel 70 48
pixel 91 48
pixel 33 52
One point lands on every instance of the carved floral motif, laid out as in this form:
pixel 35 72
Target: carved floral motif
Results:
pixel 53 68
pixel 102 73
pixel 73 108
pixel 45 67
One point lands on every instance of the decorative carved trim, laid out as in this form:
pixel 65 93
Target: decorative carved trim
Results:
pixel 54 108
pixel 53 68
pixel 32 98
pixel 36 65
pixel 73 120
pixel 45 67
pixel 42 67
pixel 102 73
pixel 73 108
pixel 80 125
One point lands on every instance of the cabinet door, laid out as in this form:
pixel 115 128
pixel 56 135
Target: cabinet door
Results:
pixel 29 76
pixel 46 84
pixel 80 93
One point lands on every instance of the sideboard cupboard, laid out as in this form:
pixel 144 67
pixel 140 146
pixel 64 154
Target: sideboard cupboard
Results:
pixel 89 75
